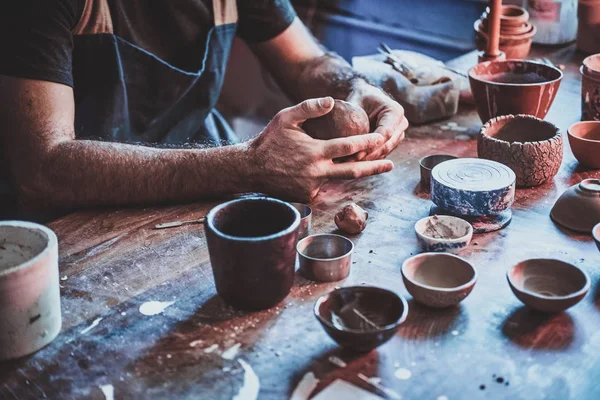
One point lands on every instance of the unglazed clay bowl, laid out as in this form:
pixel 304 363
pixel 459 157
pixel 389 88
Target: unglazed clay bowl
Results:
pixel 30 316
pixel 427 164
pixel 442 233
pixel 548 285
pixel 513 87
pixel 531 147
pixel 596 235
pixel 438 279
pixel 305 219
pixel 584 138
pixel 361 318
pixel 325 257
pixel 578 208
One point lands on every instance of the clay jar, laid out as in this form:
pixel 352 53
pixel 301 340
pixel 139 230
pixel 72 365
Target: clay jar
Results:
pixel 584 138
pixel 513 87
pixel 531 147
pixel 590 88
pixel 588 28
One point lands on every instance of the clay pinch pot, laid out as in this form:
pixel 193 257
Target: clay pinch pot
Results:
pixel 443 233
pixel 345 119
pixel 584 138
pixel 531 147
pixel 427 163
pixel 548 285
pixel 514 87
pixel 578 208
pixel 438 280
pixel 590 88
pixel 361 318
pixel 596 235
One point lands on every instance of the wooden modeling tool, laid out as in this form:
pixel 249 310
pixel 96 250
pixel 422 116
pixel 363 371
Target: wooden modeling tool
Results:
pixel 492 52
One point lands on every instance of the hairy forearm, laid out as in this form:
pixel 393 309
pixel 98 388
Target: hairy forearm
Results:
pixel 80 173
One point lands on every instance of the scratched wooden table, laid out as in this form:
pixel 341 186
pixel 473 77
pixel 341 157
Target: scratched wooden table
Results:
pixel 490 346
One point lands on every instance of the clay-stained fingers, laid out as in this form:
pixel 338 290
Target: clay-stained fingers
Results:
pixel 354 170
pixel 390 145
pixel 311 108
pixel 346 146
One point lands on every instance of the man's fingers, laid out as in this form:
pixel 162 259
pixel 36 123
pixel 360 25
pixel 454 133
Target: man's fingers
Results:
pixel 311 108
pixel 390 145
pixel 346 146
pixel 354 170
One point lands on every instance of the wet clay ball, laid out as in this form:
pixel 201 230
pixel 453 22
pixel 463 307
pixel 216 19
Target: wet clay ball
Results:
pixel 345 119
pixel 351 219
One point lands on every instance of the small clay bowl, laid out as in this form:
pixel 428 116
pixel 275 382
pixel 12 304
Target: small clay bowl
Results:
pixel 361 318
pixel 578 208
pixel 548 285
pixel 596 235
pixel 584 138
pixel 427 164
pixel 305 219
pixel 442 233
pixel 514 87
pixel 325 257
pixel 438 279
pixel 531 147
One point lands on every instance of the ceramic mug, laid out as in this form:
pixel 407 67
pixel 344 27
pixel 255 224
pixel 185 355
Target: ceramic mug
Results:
pixel 590 88
pixel 252 247
pixel 29 288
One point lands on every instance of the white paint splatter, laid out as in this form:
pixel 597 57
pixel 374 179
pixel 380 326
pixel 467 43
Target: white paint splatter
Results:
pixel 155 307
pixel 195 343
pixel 403 374
pixel 251 385
pixel 64 278
pixel 455 333
pixel 231 352
pixel 375 382
pixel 211 348
pixel 123 313
pixel 108 391
pixel 337 361
pixel 442 398
pixel 92 326
pixel 305 387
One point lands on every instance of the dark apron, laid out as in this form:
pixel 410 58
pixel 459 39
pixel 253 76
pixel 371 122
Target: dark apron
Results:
pixel 126 94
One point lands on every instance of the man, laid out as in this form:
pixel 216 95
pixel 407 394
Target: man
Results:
pixel 80 79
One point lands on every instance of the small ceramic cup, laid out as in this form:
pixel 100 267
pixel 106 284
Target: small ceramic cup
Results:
pixel 427 164
pixel 252 247
pixel 590 88
pixel 325 257
pixel 305 219
pixel 442 233
pixel 29 288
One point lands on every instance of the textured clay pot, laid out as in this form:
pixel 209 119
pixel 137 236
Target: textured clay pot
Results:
pixel 438 279
pixel 531 147
pixel 590 88
pixel 361 318
pixel 548 285
pixel 443 233
pixel 578 208
pixel 252 247
pixel 584 138
pixel 513 87
pixel 29 288
pixel 588 28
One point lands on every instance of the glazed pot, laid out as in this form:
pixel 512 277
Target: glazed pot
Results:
pixel 590 88
pixel 513 87
pixel 531 147
pixel 584 138
pixel 588 30
pixel 29 288
pixel 252 247
pixel 443 233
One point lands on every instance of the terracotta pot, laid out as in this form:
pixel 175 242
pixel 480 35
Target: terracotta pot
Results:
pixel 515 46
pixel 531 147
pixel 252 247
pixel 588 30
pixel 578 208
pixel 29 289
pixel 584 138
pixel 511 15
pixel 513 87
pixel 590 88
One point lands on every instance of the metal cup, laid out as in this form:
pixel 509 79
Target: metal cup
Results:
pixel 251 243
pixel 427 164
pixel 325 257
pixel 305 219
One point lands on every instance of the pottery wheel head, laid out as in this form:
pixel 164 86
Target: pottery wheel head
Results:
pixel 474 174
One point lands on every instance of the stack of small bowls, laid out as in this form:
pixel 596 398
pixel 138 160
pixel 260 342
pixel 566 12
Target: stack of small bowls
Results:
pixel 516 33
pixel 588 29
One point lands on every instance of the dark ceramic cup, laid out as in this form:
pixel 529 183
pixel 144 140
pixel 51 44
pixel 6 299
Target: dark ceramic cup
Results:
pixel 252 247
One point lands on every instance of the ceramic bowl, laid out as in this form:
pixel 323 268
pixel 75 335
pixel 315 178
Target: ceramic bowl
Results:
pixel 531 147
pixel 548 285
pixel 305 219
pixel 514 87
pixel 361 317
pixel 438 279
pixel 584 138
pixel 578 208
pixel 442 233
pixel 325 257
pixel 596 235
pixel 427 164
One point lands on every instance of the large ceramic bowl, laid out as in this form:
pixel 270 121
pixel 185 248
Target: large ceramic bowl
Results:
pixel 513 87
pixel 578 208
pixel 584 138
pixel 531 147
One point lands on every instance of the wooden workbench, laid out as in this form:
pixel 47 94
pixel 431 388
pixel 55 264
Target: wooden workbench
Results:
pixel 112 261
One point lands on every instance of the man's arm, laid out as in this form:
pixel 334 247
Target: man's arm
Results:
pixel 304 70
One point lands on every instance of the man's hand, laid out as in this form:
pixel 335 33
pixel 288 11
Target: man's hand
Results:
pixel 385 114
pixel 285 162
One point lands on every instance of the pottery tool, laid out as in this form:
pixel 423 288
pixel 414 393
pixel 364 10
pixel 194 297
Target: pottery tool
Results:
pixel 479 191
pixel 397 64
pixel 175 224
pixel 492 52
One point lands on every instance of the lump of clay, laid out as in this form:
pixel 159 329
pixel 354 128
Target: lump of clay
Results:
pixel 351 219
pixel 345 119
